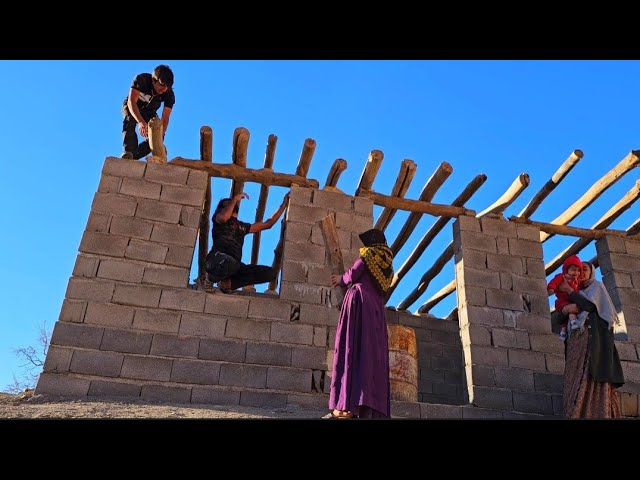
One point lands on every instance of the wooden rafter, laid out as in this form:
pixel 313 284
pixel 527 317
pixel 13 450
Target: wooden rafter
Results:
pixel 628 163
pixel 551 184
pixel 403 180
pixel 339 166
pixel 435 209
pixel 429 190
pixel 239 157
pixel 438 225
pixel 370 171
pixel 262 199
pixel 306 156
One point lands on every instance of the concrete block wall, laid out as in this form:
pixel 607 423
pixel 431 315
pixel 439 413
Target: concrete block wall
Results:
pixel 619 260
pixel 512 360
pixel 441 377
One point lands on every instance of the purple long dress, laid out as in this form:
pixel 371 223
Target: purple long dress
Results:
pixel 360 374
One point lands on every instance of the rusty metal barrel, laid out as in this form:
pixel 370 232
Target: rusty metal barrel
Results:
pixel 403 363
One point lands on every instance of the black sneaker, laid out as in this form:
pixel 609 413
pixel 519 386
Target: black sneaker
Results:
pixel 127 155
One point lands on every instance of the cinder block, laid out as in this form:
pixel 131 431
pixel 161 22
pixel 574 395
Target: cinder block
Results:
pixel 291 333
pixel 190 217
pixel 62 384
pixel 108 314
pixel 92 362
pixel 298 232
pixel 120 270
pixel 223 350
pixel 465 223
pixel 182 195
pixel 159 211
pixel 479 278
pixel 195 371
pixel 267 308
pixel 478 241
pixel 131 227
pixel 308 357
pixel 305 213
pixel 627 351
pixel 498 227
pixel 548 382
pixel 535 286
pixel 514 378
pixel 179 256
pixel 489 356
pixel 494 398
pixel 166 394
pixel 505 300
pixel 503 263
pixel 174 346
pixel 471 412
pixel 532 323
pixel 474 334
pixel 546 343
pixel 532 403
pixel 527 232
pixel 248 329
pixel 227 305
pixel 202 325
pixel 363 206
pixel 123 168
pixel 102 388
pixel 146 368
pixel 304 293
pixel 502 245
pixel 510 338
pixel 109 184
pixel 268 354
pixel 506 282
pixel 298 252
pixel 166 276
pixel 284 378
pixel 631 371
pixel 146 251
pixel 167 174
pixel 185 299
pixel 480 315
pixel 294 272
pixel 527 359
pixel 333 201
pixel 534 268
pixel 156 320
pixel 58 359
pixel 174 234
pixel 525 248
pixel 140 188
pixel 320 336
pixel 610 244
pixel 629 405
pixel 315 314
pixel 103 244
pixel 301 195
pixel 76 335
pixel 126 341
pixel 114 204
pixel 318 275
pixel 98 222
pixel 554 363
pixel 252 376
pixel 72 311
pixel 136 295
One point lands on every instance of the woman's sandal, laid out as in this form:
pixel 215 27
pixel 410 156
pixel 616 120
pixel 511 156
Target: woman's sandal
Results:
pixel 331 416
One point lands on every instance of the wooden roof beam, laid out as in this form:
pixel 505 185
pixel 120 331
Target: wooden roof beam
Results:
pixel 239 157
pixel 262 199
pixel 403 180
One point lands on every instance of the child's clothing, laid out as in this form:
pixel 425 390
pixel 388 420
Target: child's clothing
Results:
pixel 562 298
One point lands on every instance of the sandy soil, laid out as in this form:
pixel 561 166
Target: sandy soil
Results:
pixel 29 405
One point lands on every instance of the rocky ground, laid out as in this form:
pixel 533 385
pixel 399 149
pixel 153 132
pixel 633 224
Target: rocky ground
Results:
pixel 28 405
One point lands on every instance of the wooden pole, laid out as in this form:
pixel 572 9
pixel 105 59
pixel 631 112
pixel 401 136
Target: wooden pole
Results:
pixel 428 192
pixel 507 198
pixel 443 293
pixel 264 193
pixel 403 180
pixel 263 176
pixel 158 153
pixel 435 209
pixel 339 166
pixel 305 157
pixel 598 229
pixel 333 251
pixel 239 156
pixel 277 256
pixel 629 162
pixel 370 171
pixel 634 229
pixel 514 191
pixel 206 155
pixel 439 224
pixel 551 184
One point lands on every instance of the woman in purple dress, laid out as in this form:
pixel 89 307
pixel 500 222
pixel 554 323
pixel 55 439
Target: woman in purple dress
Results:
pixel 360 375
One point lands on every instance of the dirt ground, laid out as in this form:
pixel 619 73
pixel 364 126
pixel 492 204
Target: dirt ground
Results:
pixel 28 405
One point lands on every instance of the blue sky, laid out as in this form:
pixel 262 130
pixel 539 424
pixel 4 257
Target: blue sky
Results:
pixel 502 118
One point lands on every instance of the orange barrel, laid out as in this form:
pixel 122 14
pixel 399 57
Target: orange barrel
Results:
pixel 403 363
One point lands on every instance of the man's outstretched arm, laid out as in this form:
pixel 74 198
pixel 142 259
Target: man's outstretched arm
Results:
pixel 259 226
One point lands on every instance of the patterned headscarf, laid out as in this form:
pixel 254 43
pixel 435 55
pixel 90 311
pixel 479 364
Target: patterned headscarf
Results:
pixel 378 258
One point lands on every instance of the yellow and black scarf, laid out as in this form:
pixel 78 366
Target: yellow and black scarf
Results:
pixel 379 260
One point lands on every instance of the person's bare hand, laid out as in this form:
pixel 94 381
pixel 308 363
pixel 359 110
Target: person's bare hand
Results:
pixel 335 280
pixel 143 129
pixel 240 196
pixel 565 287
pixel 285 200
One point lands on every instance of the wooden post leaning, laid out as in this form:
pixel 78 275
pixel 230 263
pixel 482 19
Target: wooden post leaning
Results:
pixel 158 152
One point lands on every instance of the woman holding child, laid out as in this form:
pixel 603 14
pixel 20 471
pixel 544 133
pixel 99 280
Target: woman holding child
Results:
pixel 592 371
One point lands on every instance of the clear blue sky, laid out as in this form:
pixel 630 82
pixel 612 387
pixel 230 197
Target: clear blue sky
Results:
pixel 502 118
